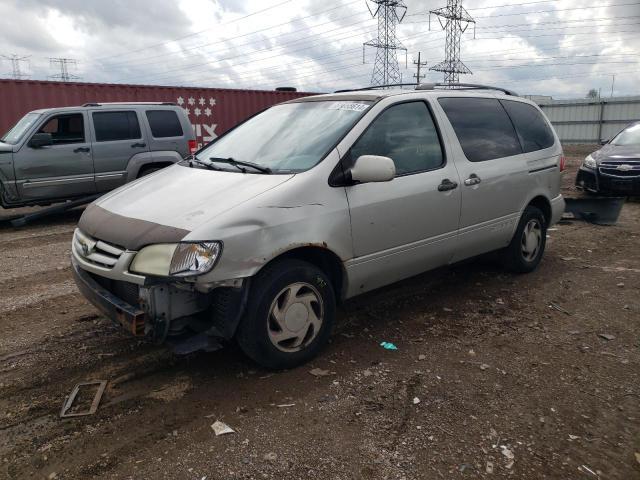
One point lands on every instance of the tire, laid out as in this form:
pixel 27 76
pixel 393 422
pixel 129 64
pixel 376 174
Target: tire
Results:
pixel 523 255
pixel 277 332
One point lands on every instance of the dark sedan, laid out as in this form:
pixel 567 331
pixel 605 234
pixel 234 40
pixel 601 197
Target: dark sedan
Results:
pixel 615 168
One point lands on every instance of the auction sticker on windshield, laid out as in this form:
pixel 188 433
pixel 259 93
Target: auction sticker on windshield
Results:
pixel 353 107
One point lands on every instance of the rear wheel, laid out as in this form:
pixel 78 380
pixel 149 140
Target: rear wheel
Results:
pixel 289 315
pixel 527 245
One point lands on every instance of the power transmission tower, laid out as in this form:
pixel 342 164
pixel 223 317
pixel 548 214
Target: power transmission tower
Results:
pixel 451 18
pixel 419 64
pixel 390 13
pixel 63 64
pixel 15 65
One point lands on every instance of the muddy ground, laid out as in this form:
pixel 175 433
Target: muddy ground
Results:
pixel 488 379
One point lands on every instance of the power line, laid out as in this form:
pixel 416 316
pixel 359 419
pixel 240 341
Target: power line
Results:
pixel 455 16
pixel 385 69
pixel 16 70
pixel 63 64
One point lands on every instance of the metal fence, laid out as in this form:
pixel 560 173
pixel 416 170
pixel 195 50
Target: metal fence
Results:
pixel 590 120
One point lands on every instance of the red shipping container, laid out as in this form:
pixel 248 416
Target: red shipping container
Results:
pixel 212 111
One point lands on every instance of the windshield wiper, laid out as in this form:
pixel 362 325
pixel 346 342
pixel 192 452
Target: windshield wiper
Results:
pixel 239 164
pixel 209 166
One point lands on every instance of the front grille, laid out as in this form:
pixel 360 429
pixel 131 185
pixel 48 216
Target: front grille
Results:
pixel 125 291
pixel 614 172
pixel 95 251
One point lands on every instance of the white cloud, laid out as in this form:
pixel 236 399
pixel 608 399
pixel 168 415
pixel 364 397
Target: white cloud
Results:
pixel 560 48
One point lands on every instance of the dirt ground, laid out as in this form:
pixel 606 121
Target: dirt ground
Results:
pixel 495 375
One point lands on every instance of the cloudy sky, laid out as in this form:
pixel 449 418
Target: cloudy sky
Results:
pixel 561 48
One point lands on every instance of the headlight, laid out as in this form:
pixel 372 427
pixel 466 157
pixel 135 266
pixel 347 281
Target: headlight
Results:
pixel 194 258
pixel 177 259
pixel 590 162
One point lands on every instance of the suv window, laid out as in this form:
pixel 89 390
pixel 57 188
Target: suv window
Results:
pixel 405 133
pixel 164 123
pixel 532 128
pixel 483 127
pixel 116 126
pixel 64 129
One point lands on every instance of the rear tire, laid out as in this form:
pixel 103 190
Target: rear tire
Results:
pixel 527 246
pixel 290 313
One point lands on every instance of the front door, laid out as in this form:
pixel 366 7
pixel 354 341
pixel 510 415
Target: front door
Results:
pixel 61 170
pixel 408 225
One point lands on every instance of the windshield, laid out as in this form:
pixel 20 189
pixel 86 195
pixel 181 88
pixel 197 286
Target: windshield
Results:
pixel 16 133
pixel 629 136
pixel 290 138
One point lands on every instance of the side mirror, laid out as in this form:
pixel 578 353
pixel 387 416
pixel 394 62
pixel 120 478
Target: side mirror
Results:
pixel 604 142
pixel 373 168
pixel 40 140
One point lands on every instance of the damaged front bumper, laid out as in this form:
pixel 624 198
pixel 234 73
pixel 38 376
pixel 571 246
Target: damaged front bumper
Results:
pixel 174 312
pixel 596 182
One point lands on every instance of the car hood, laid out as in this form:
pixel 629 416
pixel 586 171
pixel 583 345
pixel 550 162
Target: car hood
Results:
pixel 617 152
pixel 167 206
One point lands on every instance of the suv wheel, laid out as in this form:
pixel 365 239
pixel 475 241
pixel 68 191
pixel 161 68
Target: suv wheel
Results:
pixel 289 315
pixel 527 245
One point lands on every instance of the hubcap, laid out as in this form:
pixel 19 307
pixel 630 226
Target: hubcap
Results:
pixel 531 239
pixel 295 317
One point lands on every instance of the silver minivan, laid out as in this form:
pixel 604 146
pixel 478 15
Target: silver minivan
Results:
pixel 259 234
pixel 64 153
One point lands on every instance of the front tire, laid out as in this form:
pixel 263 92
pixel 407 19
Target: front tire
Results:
pixel 527 246
pixel 290 313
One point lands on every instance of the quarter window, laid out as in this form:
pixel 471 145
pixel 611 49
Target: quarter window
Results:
pixel 116 126
pixel 164 123
pixel 405 133
pixel 483 128
pixel 533 131
pixel 65 128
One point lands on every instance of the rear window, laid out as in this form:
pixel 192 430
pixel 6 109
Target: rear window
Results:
pixel 164 123
pixel 532 128
pixel 483 128
pixel 111 126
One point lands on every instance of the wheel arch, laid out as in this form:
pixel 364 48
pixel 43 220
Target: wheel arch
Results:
pixel 541 202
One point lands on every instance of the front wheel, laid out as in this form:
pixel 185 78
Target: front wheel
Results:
pixel 289 315
pixel 527 245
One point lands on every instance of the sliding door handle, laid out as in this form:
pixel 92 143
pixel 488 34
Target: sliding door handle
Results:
pixel 472 180
pixel 138 145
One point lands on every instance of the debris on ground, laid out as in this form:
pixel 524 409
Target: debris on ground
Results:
pixel 585 469
pixel 68 401
pixel 559 308
pixel 422 357
pixel 638 457
pixel 286 405
pixel 388 346
pixel 221 428
pixel 318 372
pixel 607 336
pixel 416 400
pixel 270 457
pixel 489 468
pixel 484 366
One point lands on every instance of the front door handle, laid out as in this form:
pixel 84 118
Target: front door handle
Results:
pixel 82 149
pixel 472 180
pixel 138 145
pixel 447 185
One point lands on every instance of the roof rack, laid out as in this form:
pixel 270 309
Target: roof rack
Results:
pixel 96 104
pixel 434 86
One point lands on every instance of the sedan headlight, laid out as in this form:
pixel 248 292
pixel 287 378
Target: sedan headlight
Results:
pixel 590 162
pixel 177 259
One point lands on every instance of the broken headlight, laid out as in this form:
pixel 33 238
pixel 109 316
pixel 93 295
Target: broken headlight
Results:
pixel 177 259
pixel 194 258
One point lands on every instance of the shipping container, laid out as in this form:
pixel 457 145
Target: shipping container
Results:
pixel 212 111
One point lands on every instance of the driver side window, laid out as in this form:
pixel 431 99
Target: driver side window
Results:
pixel 67 128
pixel 405 133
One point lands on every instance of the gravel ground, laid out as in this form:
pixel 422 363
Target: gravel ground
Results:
pixel 496 375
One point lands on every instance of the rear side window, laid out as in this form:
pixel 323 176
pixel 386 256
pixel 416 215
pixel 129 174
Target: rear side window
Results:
pixel 532 128
pixel 164 123
pixel 406 134
pixel 111 126
pixel 483 128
